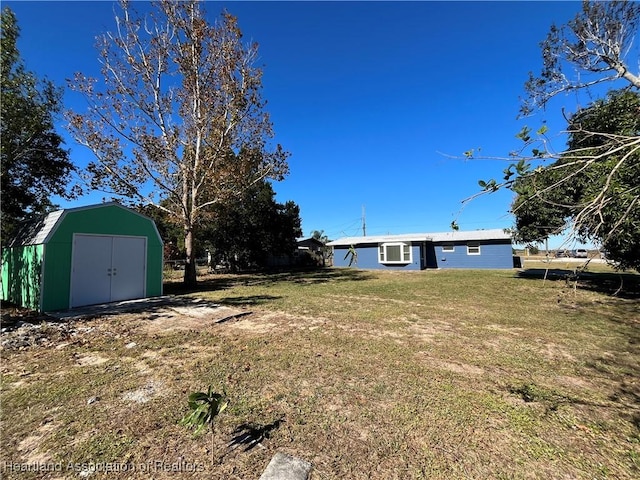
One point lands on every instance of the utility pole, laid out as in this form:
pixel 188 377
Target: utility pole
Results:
pixel 364 223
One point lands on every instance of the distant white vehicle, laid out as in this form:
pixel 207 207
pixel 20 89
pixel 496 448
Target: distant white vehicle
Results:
pixel 581 253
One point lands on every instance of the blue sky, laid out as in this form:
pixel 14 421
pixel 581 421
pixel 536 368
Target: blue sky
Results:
pixel 371 98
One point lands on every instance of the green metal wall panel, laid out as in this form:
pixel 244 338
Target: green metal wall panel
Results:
pixel 57 276
pixel 154 269
pixel 22 275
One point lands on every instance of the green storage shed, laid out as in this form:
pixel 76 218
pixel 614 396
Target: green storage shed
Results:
pixel 83 256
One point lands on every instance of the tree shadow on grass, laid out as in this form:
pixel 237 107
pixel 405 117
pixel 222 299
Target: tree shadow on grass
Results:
pixel 623 369
pixel 12 315
pixel 217 282
pixel 623 285
pixel 619 365
pixel 249 300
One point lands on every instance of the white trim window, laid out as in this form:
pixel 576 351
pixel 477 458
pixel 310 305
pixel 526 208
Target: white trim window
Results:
pixel 448 248
pixel 473 249
pixel 395 252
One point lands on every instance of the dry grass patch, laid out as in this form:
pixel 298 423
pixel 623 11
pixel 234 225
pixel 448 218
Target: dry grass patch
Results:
pixel 367 375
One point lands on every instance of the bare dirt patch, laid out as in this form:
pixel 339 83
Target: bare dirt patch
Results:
pixel 573 381
pixel 29 447
pixel 144 394
pixel 455 367
pixel 427 331
pixel 90 360
pixel 265 322
pixel 255 324
pixel 556 352
pixel 502 329
pixel 174 319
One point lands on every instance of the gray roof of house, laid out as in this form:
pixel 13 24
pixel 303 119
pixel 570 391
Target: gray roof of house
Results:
pixel 309 240
pixel 459 236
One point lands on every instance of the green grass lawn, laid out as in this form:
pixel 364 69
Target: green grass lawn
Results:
pixel 381 375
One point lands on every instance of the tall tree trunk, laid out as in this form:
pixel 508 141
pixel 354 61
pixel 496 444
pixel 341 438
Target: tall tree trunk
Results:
pixel 190 265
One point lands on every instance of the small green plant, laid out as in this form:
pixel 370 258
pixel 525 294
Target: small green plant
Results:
pixel 205 407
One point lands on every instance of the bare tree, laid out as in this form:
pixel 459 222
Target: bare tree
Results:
pixel 590 49
pixel 178 120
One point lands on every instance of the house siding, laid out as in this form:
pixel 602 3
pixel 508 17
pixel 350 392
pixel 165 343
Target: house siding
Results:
pixel 496 254
pixel 368 258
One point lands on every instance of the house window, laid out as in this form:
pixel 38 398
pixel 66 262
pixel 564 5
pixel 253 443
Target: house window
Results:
pixel 448 248
pixel 473 249
pixel 394 253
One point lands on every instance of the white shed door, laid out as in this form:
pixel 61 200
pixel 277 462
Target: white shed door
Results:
pixel 128 270
pixel 91 264
pixel 107 269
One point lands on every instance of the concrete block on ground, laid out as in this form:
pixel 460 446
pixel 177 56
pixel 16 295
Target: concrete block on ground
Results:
pixel 286 467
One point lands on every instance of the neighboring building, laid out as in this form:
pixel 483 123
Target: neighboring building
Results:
pixel 308 252
pixel 83 256
pixel 472 249
pixel 311 244
pixel 314 249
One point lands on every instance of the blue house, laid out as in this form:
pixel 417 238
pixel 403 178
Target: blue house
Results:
pixel 417 251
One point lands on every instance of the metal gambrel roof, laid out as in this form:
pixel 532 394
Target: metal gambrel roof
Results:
pixel 39 230
pixel 472 235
